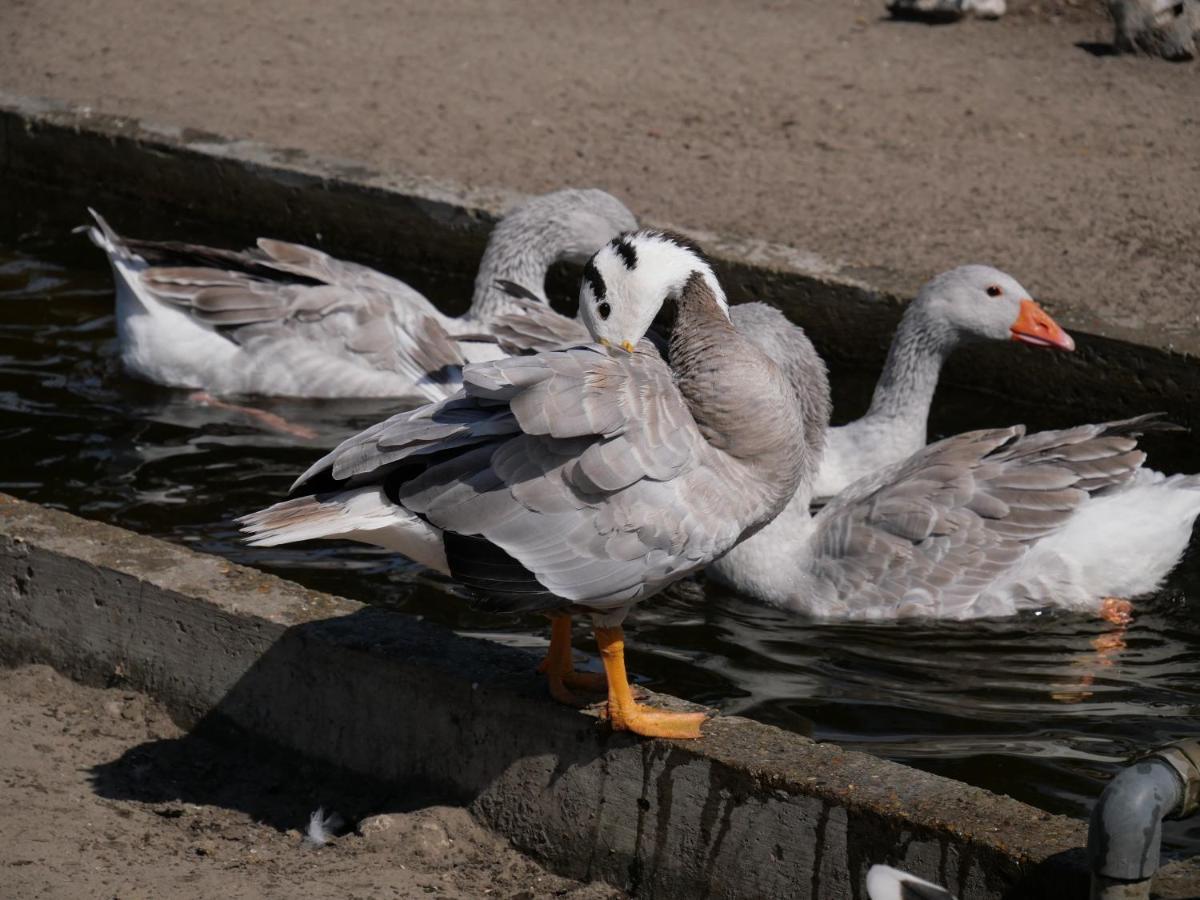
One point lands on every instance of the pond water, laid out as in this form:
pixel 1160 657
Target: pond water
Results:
pixel 1044 707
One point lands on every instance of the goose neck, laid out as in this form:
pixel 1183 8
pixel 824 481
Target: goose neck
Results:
pixel 910 375
pixel 517 251
pixel 737 395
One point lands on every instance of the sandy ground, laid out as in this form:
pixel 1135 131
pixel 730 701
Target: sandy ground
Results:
pixel 103 796
pixel 897 148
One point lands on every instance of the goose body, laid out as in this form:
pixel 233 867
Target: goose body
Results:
pixel 986 523
pixel 288 320
pixel 583 479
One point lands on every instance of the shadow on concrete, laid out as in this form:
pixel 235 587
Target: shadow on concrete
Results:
pixel 348 699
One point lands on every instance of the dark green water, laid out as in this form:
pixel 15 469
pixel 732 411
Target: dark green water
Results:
pixel 1042 707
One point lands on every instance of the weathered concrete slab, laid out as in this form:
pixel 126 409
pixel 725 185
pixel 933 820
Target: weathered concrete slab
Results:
pixel 158 180
pixel 750 811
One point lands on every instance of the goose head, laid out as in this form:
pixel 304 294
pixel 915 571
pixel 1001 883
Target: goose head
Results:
pixel 630 278
pixel 982 303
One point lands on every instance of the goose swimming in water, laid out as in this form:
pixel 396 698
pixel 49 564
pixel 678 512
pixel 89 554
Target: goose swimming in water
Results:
pixel 986 523
pixel 584 479
pixel 288 320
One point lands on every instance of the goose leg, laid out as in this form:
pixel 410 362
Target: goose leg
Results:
pixel 559 667
pixel 623 712
pixel 267 419
pixel 1116 610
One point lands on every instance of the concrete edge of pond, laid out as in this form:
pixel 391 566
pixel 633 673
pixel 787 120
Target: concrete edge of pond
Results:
pixel 749 811
pixel 164 180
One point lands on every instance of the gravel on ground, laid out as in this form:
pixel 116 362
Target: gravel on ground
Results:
pixel 104 796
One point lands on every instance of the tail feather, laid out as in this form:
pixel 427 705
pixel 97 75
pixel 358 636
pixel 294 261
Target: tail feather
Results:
pixel 104 237
pixel 303 519
pixel 365 515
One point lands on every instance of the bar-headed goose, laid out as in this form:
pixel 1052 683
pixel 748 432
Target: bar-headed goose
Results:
pixel 583 479
pixel 985 523
pixel 287 320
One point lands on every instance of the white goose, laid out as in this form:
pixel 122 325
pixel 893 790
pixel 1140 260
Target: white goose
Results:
pixel 986 523
pixel 287 320
pixel 578 480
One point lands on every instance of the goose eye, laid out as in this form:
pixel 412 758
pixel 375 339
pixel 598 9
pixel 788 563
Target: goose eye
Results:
pixel 994 290
pixel 604 309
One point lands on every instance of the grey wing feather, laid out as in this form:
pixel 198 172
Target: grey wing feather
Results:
pixel 939 527
pixel 325 315
pixel 527 326
pixel 597 526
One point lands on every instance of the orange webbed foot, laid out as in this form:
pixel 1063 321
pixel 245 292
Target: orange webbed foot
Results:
pixel 564 684
pixel 559 668
pixel 1116 610
pixel 268 420
pixel 627 715
pixel 657 723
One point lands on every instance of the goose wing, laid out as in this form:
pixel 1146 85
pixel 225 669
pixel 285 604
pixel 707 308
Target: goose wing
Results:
pixel 575 475
pixel 927 536
pixel 530 325
pixel 324 323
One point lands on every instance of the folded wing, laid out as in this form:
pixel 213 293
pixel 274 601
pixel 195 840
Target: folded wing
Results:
pixel 929 535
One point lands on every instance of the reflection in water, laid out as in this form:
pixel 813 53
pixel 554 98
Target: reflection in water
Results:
pixel 1042 707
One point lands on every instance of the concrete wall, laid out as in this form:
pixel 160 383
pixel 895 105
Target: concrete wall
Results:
pixel 749 811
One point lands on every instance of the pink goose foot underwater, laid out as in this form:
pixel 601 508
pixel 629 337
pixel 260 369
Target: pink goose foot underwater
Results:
pixel 268 420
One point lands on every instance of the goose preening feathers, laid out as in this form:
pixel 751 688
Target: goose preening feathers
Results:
pixel 287 320
pixel 583 479
pixel 985 523
pixel 969 303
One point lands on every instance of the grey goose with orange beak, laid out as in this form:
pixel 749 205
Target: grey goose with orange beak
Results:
pixel 984 523
pixel 969 303
pixel 578 480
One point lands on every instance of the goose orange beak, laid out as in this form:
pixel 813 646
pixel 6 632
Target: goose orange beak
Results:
pixel 1034 326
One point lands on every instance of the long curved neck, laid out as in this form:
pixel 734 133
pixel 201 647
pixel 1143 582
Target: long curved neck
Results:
pixel 521 249
pixel 905 388
pixel 738 397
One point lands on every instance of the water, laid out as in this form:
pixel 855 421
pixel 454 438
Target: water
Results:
pixel 1042 707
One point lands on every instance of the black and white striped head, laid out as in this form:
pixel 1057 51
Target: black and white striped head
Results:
pixel 628 280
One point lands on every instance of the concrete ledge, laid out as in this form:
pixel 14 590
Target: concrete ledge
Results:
pixel 750 811
pixel 156 180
